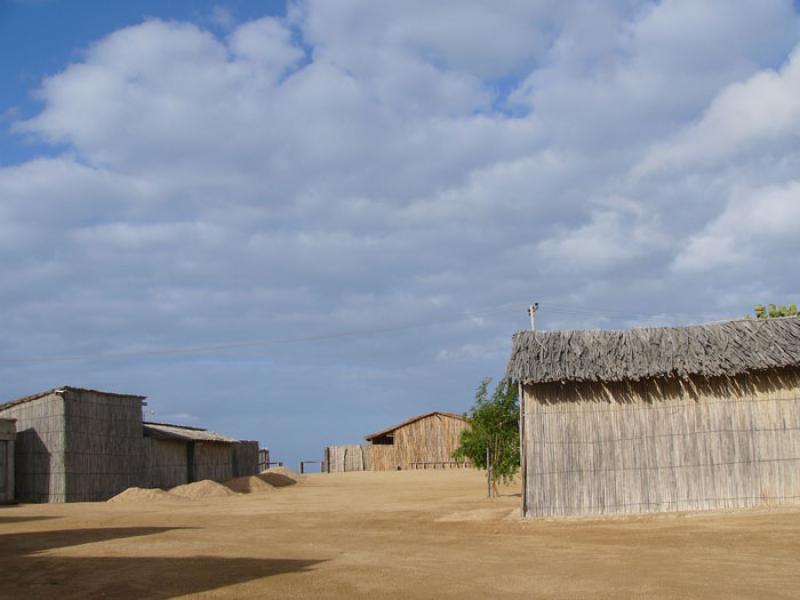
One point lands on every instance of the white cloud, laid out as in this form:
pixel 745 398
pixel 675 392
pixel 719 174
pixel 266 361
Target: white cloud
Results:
pixel 361 165
pixel 756 225
pixel 620 231
pixel 743 118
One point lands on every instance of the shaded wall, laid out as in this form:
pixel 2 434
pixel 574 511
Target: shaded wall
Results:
pixel 662 445
pixel 245 458
pixel 40 474
pixel 213 460
pixel 105 450
pixel 166 461
pixel 8 434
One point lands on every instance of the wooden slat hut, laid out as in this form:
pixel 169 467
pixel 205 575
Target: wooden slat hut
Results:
pixel 659 419
pixel 8 435
pixel 178 454
pixel 80 445
pixel 423 442
pixel 76 445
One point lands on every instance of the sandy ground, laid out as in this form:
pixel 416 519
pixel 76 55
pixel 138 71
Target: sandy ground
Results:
pixel 388 535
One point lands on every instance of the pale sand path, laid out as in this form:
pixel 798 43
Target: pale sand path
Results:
pixel 388 535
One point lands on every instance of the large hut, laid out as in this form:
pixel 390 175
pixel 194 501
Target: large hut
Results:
pixel 79 445
pixel 659 419
pixel 426 441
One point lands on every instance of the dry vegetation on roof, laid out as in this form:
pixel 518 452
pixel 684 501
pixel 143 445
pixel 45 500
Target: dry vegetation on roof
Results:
pixel 719 349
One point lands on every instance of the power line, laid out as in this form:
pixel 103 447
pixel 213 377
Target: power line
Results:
pixel 547 307
pixel 188 350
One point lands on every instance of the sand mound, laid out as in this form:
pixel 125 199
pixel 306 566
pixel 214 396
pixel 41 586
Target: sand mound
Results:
pixel 280 477
pixel 254 484
pixel 202 489
pixel 136 494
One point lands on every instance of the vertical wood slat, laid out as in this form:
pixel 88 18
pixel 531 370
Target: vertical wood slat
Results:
pixel 429 441
pixel 664 445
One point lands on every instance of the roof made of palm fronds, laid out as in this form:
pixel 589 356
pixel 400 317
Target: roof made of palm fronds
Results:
pixel 717 349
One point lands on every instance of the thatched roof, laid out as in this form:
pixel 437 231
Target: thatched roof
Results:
pixel 413 420
pixel 166 431
pixel 729 348
pixel 64 389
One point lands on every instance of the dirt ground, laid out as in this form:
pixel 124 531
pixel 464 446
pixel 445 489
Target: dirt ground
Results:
pixel 420 534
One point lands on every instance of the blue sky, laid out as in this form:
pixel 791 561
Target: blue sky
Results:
pixel 303 222
pixel 41 37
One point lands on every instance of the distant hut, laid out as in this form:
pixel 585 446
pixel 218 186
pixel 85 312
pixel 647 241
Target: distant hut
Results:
pixel 7 437
pixel 659 419
pixel 177 454
pixel 423 442
pixel 80 445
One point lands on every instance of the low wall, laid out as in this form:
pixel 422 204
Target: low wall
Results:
pixel 340 459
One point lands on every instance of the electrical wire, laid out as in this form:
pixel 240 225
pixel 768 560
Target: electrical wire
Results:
pixel 188 350
pixel 546 307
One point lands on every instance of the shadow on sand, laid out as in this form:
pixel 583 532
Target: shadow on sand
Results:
pixel 151 578
pixel 28 571
pixel 23 519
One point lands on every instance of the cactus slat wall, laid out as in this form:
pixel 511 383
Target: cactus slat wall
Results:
pixel 427 441
pixel 662 444
pixel 39 455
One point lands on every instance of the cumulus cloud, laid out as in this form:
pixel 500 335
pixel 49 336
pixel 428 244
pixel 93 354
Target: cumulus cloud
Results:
pixel 761 224
pixel 619 231
pixel 355 167
pixel 742 119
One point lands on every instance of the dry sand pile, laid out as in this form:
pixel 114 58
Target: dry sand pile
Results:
pixel 262 483
pixel 281 476
pixel 136 494
pixel 202 489
pixel 249 485
pixel 266 481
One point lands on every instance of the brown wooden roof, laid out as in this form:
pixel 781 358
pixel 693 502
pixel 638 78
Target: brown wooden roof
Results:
pixel 412 420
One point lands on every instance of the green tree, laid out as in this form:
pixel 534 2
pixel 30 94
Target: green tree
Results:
pixel 493 423
pixel 773 311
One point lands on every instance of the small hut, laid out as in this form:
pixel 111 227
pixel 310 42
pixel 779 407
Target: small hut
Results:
pixel 178 454
pixel 8 434
pixel 423 442
pixel 659 419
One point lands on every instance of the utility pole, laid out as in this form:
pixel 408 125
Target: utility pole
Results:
pixel 523 453
pixel 532 312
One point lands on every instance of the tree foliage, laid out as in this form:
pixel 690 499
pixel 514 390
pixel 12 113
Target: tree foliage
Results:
pixel 773 311
pixel 493 423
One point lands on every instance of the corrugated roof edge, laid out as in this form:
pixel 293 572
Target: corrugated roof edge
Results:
pixel 174 425
pixel 60 390
pixel 413 420
pixel 183 433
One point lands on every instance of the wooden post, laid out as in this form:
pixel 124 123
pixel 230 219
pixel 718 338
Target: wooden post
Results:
pixel 302 467
pixel 523 451
pixel 488 473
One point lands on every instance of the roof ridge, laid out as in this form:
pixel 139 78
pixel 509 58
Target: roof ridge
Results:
pixel 413 420
pixel 726 348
